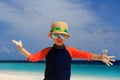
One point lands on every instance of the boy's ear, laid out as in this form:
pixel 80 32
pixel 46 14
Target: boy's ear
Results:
pixel 67 37
pixel 50 35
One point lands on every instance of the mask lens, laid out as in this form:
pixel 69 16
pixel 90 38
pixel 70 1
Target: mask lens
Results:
pixel 54 35
pixel 63 36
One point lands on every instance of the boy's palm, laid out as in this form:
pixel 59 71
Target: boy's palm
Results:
pixel 18 43
pixel 107 59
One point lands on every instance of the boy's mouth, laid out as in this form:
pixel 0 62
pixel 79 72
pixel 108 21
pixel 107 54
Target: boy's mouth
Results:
pixel 59 41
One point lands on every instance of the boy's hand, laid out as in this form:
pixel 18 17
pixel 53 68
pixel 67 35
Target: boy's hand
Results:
pixel 107 59
pixel 18 43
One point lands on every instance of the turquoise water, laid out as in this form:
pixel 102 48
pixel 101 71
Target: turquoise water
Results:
pixel 78 68
pixel 22 66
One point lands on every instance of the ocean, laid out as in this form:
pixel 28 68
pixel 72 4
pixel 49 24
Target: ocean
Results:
pixel 80 68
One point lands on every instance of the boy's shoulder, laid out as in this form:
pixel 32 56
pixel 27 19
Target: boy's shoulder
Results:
pixel 70 47
pixel 47 48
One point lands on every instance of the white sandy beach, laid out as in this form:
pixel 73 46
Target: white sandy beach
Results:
pixel 10 75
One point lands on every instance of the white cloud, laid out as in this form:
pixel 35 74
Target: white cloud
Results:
pixel 38 15
pixel 4 49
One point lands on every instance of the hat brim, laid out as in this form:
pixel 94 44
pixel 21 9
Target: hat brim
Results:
pixel 68 35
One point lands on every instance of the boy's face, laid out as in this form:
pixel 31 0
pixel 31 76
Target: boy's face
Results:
pixel 58 38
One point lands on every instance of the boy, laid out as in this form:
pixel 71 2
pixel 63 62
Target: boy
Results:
pixel 58 57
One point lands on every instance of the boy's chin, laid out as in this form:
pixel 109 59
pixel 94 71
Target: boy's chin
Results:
pixel 59 44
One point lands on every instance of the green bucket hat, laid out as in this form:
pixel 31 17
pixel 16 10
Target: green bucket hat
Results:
pixel 59 27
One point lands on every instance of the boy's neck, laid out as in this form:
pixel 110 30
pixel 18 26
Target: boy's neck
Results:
pixel 59 47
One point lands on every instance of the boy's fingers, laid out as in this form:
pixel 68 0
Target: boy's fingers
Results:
pixel 107 64
pixel 15 42
pixel 105 52
pixel 20 41
pixel 110 63
pixel 112 60
pixel 111 56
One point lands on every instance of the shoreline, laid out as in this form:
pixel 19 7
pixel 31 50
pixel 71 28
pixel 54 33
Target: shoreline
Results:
pixel 116 63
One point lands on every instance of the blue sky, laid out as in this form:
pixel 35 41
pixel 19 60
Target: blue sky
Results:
pixel 93 24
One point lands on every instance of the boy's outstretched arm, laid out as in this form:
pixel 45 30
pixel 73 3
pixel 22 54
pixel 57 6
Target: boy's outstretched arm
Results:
pixel 104 58
pixel 20 47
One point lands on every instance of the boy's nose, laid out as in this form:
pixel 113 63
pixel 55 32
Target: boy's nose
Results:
pixel 59 36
